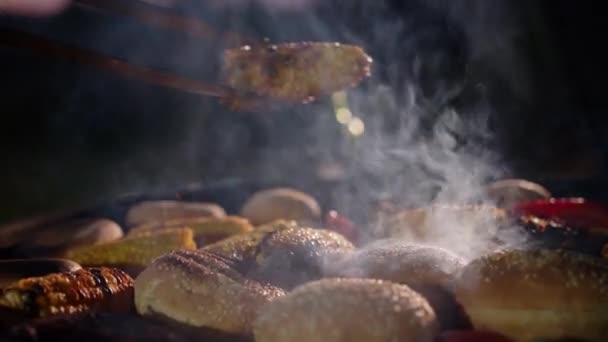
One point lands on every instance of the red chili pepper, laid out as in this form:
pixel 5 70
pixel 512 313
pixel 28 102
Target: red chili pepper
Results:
pixel 573 211
pixel 342 225
pixel 472 336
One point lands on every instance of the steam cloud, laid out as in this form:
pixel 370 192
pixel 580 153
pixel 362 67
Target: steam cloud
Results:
pixel 421 145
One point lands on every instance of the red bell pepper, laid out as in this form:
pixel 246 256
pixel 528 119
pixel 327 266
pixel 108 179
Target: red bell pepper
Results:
pixel 577 212
pixel 342 225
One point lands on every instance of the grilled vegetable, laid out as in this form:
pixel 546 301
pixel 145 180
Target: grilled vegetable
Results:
pixel 295 72
pixel 70 292
pixel 573 211
pixel 205 229
pixel 342 225
pixel 15 269
pixel 138 250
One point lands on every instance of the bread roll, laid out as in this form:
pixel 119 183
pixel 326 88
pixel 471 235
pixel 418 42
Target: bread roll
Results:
pixel 508 192
pixel 400 262
pixel 347 310
pixel 465 229
pixel 13 270
pixel 428 270
pixel 429 222
pixel 283 253
pixel 51 239
pixel 160 211
pixel 540 294
pixel 200 289
pixel 76 233
pixel 281 203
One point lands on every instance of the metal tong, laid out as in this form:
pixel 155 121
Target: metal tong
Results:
pixel 149 15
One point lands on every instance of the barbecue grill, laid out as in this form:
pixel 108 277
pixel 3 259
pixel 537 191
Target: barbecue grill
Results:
pixel 113 103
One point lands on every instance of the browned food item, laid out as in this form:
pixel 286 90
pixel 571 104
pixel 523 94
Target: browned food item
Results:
pixel 427 269
pixel 70 292
pixel 13 233
pixel 404 263
pixel 295 72
pixel 427 223
pixel 296 255
pixel 54 239
pixel 538 294
pixel 13 270
pixel 206 229
pixel 269 205
pixel 283 253
pixel 201 289
pixel 243 248
pixel 139 250
pixel 78 232
pixel 467 230
pixel 162 211
pixel 508 192
pixel 347 310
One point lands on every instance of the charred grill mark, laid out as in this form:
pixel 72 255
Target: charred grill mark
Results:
pixel 30 298
pixel 68 292
pixel 295 72
pixel 101 281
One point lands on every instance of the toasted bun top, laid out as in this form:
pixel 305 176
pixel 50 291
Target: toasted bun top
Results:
pixel 201 289
pixel 536 279
pixel 405 263
pixel 280 203
pixel 347 310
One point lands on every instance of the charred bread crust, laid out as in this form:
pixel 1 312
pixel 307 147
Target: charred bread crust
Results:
pixel 200 289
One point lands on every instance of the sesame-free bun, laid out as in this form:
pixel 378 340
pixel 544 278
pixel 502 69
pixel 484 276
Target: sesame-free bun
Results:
pixel 200 289
pixel 283 253
pixel 269 205
pixel 347 310
pixel 401 262
pixel 547 294
pixel 161 211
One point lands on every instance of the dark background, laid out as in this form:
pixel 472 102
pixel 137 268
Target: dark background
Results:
pixel 72 136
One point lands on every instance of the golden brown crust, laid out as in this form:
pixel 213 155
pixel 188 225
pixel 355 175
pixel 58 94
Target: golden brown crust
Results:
pixel 404 263
pixel 70 292
pixel 137 250
pixel 295 72
pixel 540 293
pixel 269 205
pixel 13 270
pixel 206 230
pixel 244 247
pixel 336 310
pixel 296 255
pixel 161 211
pixel 221 286
pixel 424 224
pixel 201 289
pixel 77 232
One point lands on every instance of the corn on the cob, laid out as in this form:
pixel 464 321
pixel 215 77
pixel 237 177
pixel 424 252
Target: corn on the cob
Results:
pixel 295 72
pixel 223 226
pixel 138 250
pixel 70 292
pixel 245 246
